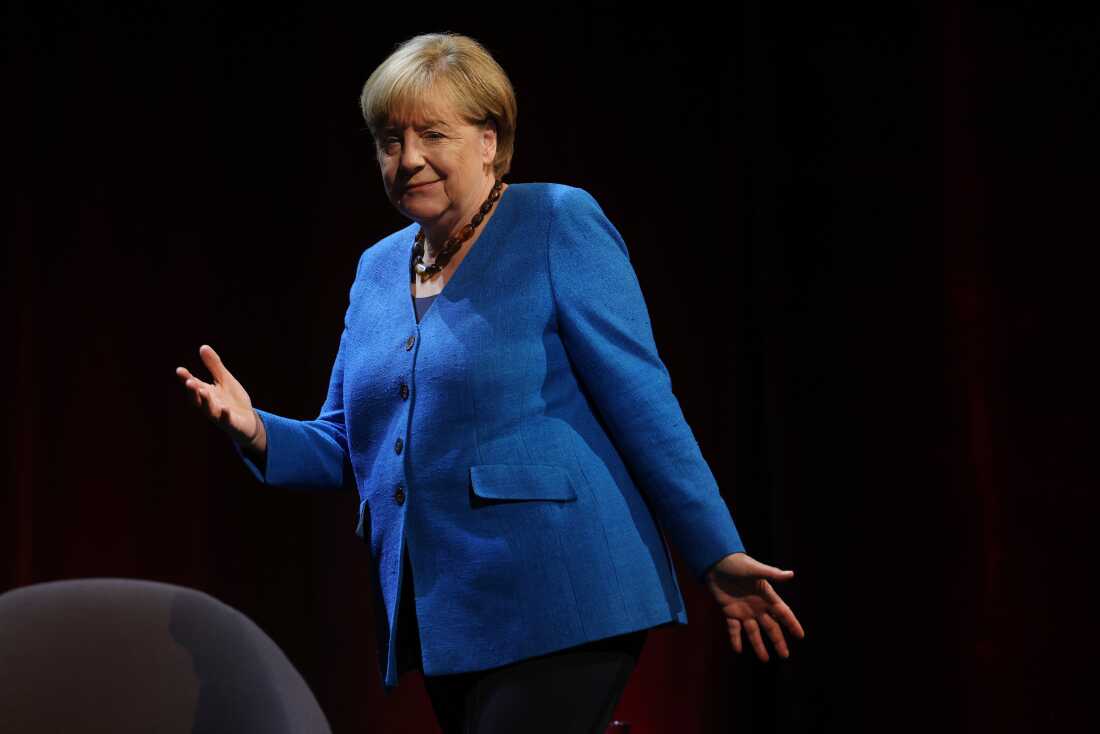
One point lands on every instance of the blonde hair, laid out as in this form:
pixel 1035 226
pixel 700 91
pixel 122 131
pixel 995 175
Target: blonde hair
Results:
pixel 455 65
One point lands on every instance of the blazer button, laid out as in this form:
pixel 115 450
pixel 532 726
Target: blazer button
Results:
pixel 409 342
pixel 404 391
pixel 398 444
pixel 399 495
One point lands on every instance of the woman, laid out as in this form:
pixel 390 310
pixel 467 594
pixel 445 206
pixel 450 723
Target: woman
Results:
pixel 508 423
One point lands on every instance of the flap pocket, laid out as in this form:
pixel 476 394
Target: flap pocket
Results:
pixel 521 482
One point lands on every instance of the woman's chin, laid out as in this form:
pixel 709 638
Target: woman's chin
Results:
pixel 421 212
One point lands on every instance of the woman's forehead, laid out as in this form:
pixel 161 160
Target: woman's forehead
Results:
pixel 424 109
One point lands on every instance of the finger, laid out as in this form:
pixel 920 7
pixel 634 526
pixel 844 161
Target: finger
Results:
pixel 782 611
pixel 208 401
pixel 194 383
pixel 775 632
pixel 225 419
pixel 787 617
pixel 211 404
pixel 735 633
pixel 757 641
pixel 213 363
pixel 189 380
pixel 195 388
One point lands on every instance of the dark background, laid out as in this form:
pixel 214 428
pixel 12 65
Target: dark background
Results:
pixel 866 239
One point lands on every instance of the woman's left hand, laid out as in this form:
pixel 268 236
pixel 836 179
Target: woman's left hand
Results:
pixel 740 585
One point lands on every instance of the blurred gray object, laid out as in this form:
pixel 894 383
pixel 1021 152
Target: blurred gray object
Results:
pixel 122 655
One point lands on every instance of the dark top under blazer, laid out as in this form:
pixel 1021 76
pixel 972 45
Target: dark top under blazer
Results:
pixel 521 439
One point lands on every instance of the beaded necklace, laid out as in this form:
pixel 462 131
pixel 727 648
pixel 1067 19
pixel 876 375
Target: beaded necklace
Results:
pixel 453 243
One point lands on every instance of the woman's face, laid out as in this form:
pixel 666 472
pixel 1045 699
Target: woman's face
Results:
pixel 436 167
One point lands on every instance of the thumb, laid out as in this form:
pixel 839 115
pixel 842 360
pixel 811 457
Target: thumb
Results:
pixel 778 574
pixel 770 572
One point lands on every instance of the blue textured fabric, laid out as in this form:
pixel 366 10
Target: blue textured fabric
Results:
pixel 540 440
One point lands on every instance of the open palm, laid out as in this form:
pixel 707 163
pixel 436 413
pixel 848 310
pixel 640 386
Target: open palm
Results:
pixel 739 584
pixel 224 400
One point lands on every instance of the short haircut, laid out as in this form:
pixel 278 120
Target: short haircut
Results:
pixel 456 66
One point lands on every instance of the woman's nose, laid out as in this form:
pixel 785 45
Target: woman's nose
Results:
pixel 412 158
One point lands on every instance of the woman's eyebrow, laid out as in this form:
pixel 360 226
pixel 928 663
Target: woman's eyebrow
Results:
pixel 397 126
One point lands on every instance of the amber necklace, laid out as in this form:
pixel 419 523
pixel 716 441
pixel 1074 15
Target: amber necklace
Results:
pixel 450 247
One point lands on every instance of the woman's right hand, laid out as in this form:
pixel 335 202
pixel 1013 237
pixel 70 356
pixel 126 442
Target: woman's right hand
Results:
pixel 225 402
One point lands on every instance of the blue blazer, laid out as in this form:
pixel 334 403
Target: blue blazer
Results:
pixel 521 440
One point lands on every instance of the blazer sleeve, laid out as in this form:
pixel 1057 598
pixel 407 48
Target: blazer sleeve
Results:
pixel 309 454
pixel 605 327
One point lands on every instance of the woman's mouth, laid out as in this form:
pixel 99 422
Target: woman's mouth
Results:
pixel 418 186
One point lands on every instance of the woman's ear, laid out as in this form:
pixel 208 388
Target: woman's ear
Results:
pixel 489 143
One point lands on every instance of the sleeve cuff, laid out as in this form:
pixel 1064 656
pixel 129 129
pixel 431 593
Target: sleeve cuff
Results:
pixel 256 470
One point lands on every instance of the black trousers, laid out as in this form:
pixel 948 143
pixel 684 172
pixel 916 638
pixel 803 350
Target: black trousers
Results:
pixel 571 691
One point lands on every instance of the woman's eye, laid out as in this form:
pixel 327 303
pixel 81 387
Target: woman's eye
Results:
pixel 432 135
